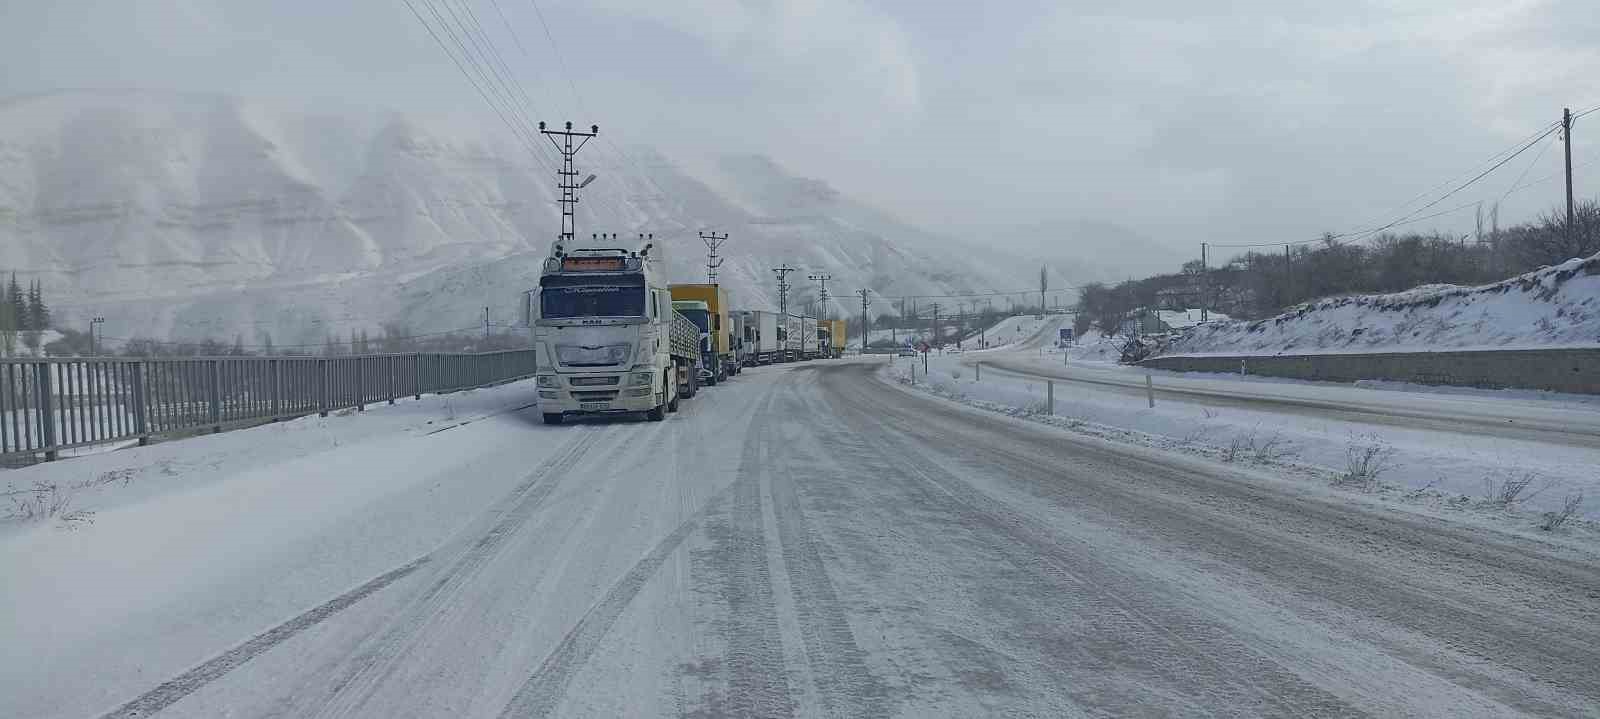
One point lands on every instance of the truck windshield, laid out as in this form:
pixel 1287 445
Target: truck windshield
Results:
pixel 700 318
pixel 621 299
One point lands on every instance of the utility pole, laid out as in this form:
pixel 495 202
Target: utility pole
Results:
pixel 865 303
pixel 1566 138
pixel 713 241
pixel 486 324
pixel 938 340
pixel 94 346
pixel 1205 282
pixel 569 177
pixel 823 311
pixel 782 271
pixel 1044 284
pixel 1288 275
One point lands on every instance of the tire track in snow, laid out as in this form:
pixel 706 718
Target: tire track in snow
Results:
pixel 838 666
pixel 362 675
pixel 1116 619
pixel 752 666
pixel 188 682
pixel 546 687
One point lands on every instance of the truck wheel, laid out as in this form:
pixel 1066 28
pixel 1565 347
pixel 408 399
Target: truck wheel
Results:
pixel 672 391
pixel 657 413
pixel 552 418
pixel 712 380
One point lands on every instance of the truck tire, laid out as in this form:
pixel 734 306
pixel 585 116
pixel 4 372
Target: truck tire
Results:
pixel 552 418
pixel 672 391
pixel 657 413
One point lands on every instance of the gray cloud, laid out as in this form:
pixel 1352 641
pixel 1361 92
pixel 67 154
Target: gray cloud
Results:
pixel 1186 121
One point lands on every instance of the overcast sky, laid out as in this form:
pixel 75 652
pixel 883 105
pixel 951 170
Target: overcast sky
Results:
pixel 1184 120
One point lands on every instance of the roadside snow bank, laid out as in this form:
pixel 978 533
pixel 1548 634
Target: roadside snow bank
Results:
pixel 1552 307
pixel 1434 470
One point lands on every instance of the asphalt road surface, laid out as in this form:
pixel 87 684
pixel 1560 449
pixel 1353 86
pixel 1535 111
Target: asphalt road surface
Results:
pixel 813 541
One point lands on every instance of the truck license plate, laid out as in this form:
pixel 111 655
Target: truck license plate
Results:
pixel 591 406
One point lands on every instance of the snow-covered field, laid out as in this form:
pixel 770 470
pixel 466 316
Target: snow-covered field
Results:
pixel 1557 306
pixel 1451 469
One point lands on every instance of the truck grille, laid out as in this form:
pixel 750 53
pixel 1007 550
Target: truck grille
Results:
pixel 593 381
pixel 595 396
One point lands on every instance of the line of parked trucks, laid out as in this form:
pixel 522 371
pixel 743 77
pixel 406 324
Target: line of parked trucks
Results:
pixel 612 336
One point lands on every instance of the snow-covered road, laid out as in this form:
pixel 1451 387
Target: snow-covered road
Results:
pixel 806 540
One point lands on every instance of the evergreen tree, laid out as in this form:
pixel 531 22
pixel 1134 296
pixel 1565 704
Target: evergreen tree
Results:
pixel 8 324
pixel 266 345
pixel 238 346
pixel 38 311
pixel 18 302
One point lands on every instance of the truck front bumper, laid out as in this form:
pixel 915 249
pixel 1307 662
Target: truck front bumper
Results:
pixel 583 394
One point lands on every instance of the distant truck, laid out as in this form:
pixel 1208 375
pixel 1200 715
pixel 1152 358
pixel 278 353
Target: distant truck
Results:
pixel 808 338
pixel 606 338
pixel 791 339
pixel 761 336
pixel 831 338
pixel 720 359
pixel 700 314
pixel 742 348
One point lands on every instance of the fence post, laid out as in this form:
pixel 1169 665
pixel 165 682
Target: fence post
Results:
pixel 277 388
pixel 389 366
pixel 216 396
pixel 361 384
pixel 1150 390
pixel 141 412
pixel 977 371
pixel 416 361
pixel 322 387
pixel 47 418
pixel 1050 395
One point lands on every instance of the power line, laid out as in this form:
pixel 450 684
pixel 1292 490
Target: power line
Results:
pixel 1411 216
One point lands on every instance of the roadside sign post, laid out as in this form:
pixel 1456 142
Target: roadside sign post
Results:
pixel 1150 390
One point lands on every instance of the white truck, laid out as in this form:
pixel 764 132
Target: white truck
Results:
pixel 791 337
pixel 761 335
pixel 606 338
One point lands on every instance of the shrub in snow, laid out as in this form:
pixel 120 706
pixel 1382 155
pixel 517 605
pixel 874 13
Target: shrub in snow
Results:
pixel 1508 488
pixel 1367 456
pixel 1569 509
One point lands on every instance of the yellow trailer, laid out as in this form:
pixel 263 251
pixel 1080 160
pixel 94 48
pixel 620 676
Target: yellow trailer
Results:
pixel 721 361
pixel 831 338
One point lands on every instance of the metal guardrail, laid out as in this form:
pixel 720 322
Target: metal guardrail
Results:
pixel 52 404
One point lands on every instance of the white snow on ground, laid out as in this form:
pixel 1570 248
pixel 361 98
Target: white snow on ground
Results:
pixel 192 543
pixel 1007 331
pixel 1445 468
pixel 1556 306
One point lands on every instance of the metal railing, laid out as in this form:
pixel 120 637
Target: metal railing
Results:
pixel 52 404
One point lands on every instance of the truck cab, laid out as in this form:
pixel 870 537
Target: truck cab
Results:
pixel 700 314
pixel 604 334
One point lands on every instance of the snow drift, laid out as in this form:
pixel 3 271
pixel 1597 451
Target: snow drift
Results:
pixel 1551 307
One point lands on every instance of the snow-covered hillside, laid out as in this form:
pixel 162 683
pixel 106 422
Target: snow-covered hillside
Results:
pixel 1555 306
pixel 198 215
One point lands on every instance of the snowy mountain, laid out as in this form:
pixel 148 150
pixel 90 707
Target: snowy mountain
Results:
pixel 182 215
pixel 1556 306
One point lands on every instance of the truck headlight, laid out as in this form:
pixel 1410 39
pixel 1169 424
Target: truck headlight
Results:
pixel 643 377
pixel 546 380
